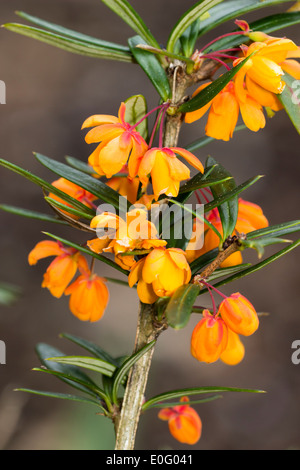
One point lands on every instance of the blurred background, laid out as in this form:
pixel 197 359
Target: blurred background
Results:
pixel 49 94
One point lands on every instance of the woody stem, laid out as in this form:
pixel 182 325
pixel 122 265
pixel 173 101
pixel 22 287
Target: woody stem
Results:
pixel 137 380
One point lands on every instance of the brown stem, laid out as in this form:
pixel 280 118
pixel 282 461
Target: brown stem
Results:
pixel 127 424
pixel 234 244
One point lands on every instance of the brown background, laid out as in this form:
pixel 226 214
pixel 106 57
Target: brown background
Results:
pixel 49 94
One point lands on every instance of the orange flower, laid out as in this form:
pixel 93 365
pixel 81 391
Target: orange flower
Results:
pixel 250 218
pixel 239 314
pixel 74 191
pixel 62 269
pixel 184 422
pixel 159 273
pixel 118 142
pixel 166 170
pixel 136 233
pixel 88 297
pixel 224 113
pixel 235 350
pixel 209 338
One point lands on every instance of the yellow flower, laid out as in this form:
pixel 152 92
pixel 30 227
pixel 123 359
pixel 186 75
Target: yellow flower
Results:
pixel 136 233
pixel 88 297
pixel 119 143
pixel 166 170
pixel 62 269
pixel 184 422
pixel 159 273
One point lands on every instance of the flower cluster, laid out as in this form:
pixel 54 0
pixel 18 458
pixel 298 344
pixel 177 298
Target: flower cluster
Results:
pixel 216 336
pixel 88 293
pixel 255 86
pixel 120 144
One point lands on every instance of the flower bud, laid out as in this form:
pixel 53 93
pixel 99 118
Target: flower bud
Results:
pixel 239 314
pixel 209 338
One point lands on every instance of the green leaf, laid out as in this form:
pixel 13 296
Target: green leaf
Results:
pixel 72 375
pixel 276 230
pixel 95 364
pixel 70 210
pixel 9 294
pixel 227 196
pixel 79 165
pixel 63 396
pixel 152 67
pixel 209 92
pixel 267 25
pixel 258 266
pixel 205 140
pixel 198 182
pixel 86 251
pixel 72 34
pixel 31 214
pixel 93 185
pixel 187 19
pixel 230 10
pixel 259 244
pixel 123 9
pixel 136 109
pixel 222 272
pixel 91 347
pixel 46 186
pixel 228 210
pixel 180 306
pixel 124 369
pixel 191 392
pixel 190 403
pixel 69 44
pixel 197 216
pixel 189 38
pixel 290 99
pixel 93 390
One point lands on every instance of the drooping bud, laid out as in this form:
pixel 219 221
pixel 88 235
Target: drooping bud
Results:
pixel 239 314
pixel 209 338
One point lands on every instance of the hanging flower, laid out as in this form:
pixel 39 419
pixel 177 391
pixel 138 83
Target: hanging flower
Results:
pixel 184 422
pixel 209 338
pixel 159 273
pixel 75 192
pixel 119 143
pixel 88 297
pixel 62 269
pixel 224 113
pixel 239 314
pixel 166 169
